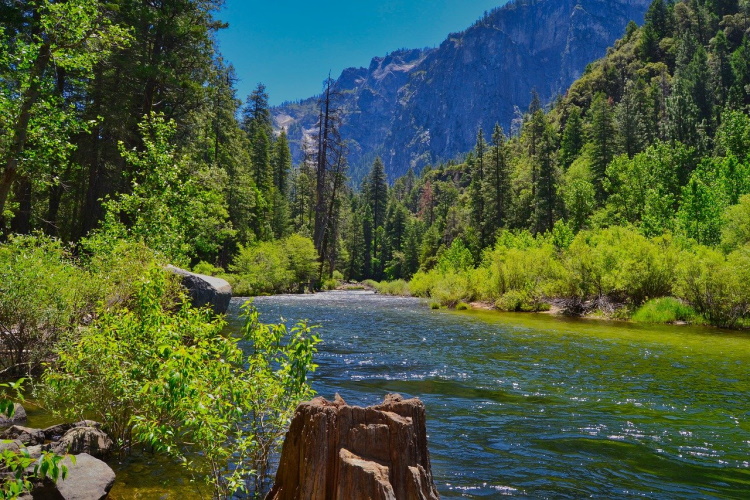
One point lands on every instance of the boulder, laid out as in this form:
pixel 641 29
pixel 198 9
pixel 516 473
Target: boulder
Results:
pixel 205 290
pixel 87 479
pixel 27 435
pixel 88 440
pixel 55 432
pixel 13 445
pixel 19 417
pixel 334 451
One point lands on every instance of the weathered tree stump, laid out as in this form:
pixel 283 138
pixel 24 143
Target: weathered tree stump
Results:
pixel 334 451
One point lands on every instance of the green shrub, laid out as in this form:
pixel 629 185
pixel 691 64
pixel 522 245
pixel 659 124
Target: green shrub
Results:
pixel 717 286
pixel 512 301
pixel 452 288
pixel 397 287
pixel 422 283
pixel 274 266
pixel 664 310
pixel 207 269
pixel 462 306
pixel 44 295
pixel 170 381
pixel 434 305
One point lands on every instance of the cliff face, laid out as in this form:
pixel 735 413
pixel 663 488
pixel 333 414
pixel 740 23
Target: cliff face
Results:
pixel 418 107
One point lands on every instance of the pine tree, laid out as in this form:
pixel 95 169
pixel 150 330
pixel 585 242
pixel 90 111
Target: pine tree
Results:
pixel 377 192
pixel 476 189
pixel 602 139
pixel 282 163
pixel 497 188
pixel 261 160
pixel 572 139
pixel 545 201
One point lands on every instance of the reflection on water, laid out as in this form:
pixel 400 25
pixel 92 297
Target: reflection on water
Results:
pixel 543 407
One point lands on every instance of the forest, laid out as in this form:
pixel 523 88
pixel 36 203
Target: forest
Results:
pixel 124 147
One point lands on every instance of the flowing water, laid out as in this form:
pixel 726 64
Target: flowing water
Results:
pixel 530 405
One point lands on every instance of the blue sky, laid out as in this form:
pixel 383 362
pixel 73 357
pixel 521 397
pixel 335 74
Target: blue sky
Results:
pixel 290 45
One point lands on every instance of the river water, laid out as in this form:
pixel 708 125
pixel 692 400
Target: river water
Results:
pixel 535 406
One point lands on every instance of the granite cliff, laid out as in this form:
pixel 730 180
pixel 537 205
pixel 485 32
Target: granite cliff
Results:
pixel 417 107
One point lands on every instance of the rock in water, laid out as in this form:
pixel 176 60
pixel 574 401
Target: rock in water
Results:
pixel 205 290
pixel 88 440
pixel 19 417
pixel 334 451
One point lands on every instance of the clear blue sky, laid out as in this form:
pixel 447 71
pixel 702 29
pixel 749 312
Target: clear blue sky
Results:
pixel 290 45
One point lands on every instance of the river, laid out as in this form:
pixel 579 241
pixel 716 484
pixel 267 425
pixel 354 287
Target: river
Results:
pixel 524 405
pixel 536 406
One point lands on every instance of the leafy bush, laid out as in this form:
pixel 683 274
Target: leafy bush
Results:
pixel 171 381
pixel 664 310
pixel 396 287
pixel 717 286
pixel 274 266
pixel 43 298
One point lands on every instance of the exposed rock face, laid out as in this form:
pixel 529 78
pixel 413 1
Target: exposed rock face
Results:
pixel 418 107
pixel 27 435
pixel 205 290
pixel 338 452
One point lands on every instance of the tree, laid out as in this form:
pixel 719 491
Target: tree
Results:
pixel 602 138
pixel 376 192
pixel 477 189
pixel 572 139
pixel 497 189
pixel 51 37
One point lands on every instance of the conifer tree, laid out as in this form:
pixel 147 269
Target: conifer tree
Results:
pixel 497 188
pixel 377 192
pixel 476 189
pixel 602 139
pixel 572 139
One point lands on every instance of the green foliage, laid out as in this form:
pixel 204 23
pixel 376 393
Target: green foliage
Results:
pixel 172 382
pixel 396 287
pixel 43 297
pixel 664 310
pixel 717 286
pixel 169 209
pixel 274 266
pixel 19 468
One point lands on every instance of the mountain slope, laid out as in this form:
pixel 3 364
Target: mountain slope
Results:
pixel 417 107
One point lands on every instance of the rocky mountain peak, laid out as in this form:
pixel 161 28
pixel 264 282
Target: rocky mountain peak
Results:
pixel 421 106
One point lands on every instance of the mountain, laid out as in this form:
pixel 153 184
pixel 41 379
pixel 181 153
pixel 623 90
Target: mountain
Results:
pixel 418 107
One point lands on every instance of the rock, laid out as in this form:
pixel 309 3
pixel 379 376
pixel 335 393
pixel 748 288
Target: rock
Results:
pixel 205 290
pixel 418 107
pixel 10 445
pixel 55 432
pixel 26 435
pixel 88 479
pixel 88 440
pixel 19 417
pixel 334 451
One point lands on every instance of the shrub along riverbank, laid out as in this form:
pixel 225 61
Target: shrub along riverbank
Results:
pixel 613 272
pixel 109 335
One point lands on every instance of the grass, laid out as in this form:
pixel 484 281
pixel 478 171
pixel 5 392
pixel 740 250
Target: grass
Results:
pixel 665 310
